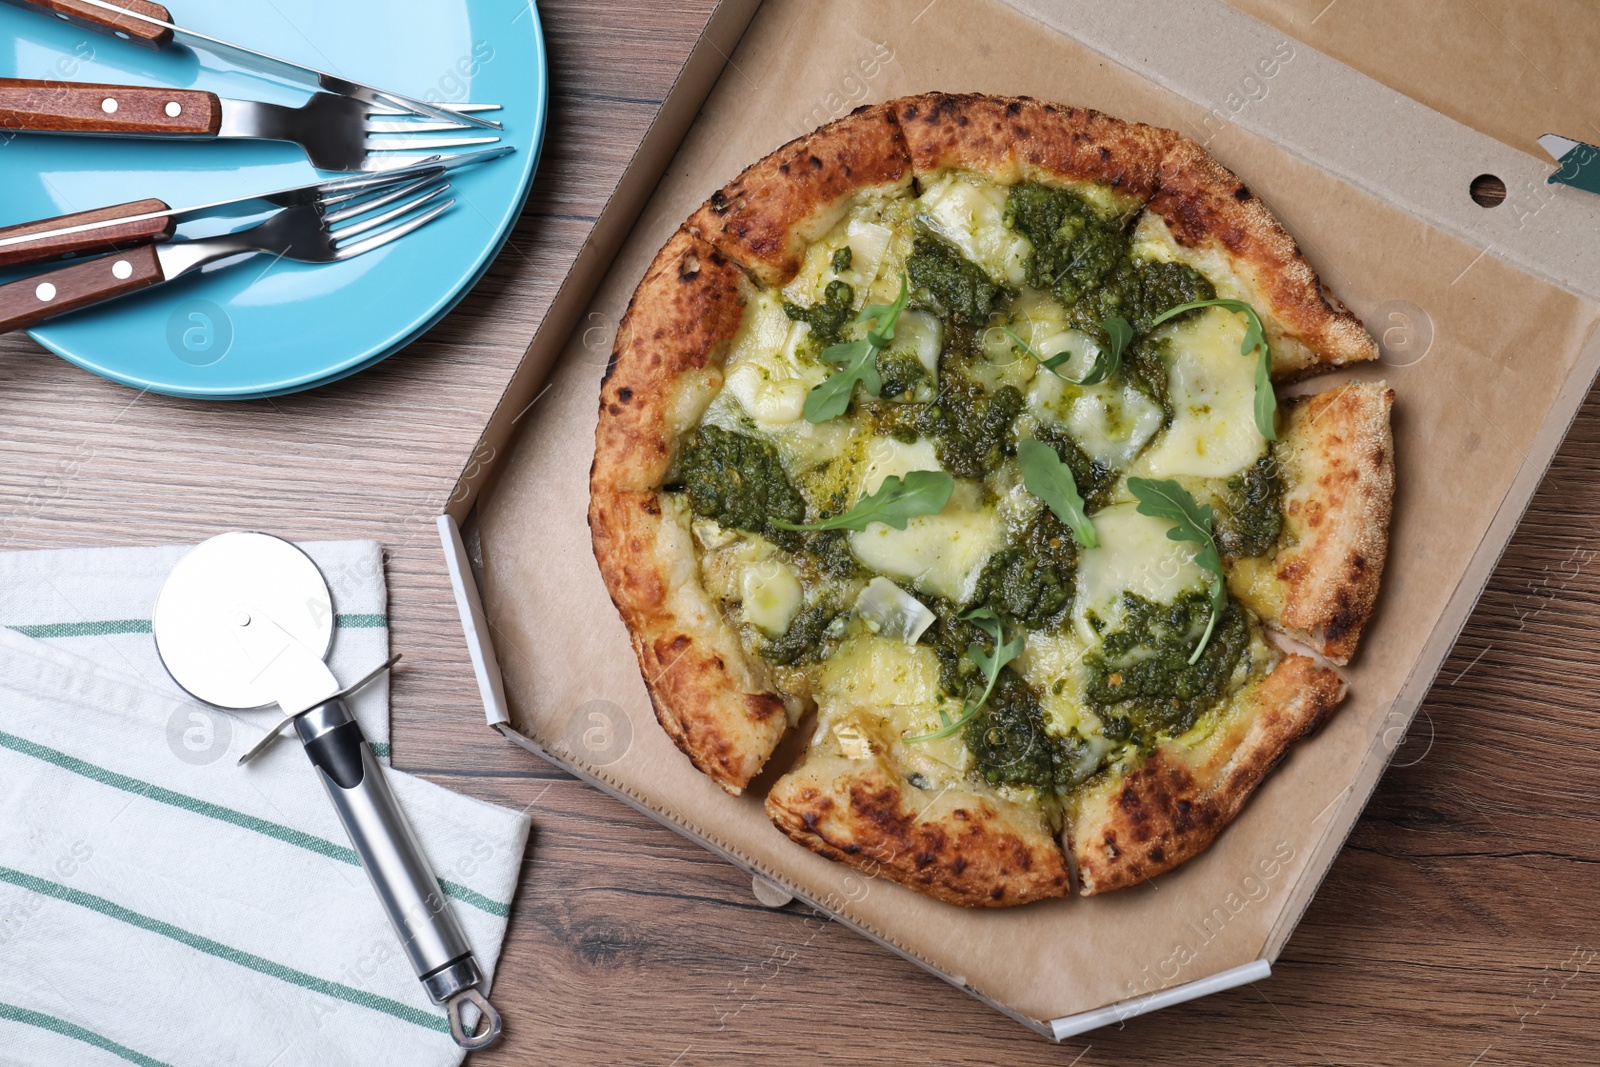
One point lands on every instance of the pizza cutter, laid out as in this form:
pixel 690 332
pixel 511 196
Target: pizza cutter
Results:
pixel 243 622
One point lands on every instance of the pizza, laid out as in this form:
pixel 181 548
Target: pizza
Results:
pixel 950 433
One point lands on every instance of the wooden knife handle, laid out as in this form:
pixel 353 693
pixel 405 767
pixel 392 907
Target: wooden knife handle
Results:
pixel 76 107
pixel 102 21
pixel 100 239
pixel 44 296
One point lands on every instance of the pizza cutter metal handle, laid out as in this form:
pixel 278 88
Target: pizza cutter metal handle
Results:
pixel 392 857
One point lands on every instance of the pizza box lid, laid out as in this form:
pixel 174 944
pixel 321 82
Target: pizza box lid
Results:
pixel 1487 320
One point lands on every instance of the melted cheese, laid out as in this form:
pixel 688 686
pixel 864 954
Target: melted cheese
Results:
pixel 970 214
pixel 771 596
pixel 1111 421
pixel 876 690
pixel 1212 389
pixel 1135 555
pixel 764 371
pixel 942 554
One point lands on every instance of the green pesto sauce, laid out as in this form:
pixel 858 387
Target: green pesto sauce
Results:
pixel 739 481
pixel 959 289
pixel 1008 740
pixel 828 318
pixel 1145 364
pixel 1086 259
pixel 1096 482
pixel 1249 515
pixel 1141 681
pixel 949 636
pixel 842 258
pixel 901 372
pixel 805 640
pixel 1030 581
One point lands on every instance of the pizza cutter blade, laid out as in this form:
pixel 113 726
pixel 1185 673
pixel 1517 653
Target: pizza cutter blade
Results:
pixel 245 621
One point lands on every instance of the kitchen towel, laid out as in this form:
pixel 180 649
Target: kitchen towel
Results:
pixel 161 906
pixel 96 603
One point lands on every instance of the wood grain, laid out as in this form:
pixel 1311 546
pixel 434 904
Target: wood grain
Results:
pixel 1445 933
pixel 82 107
pixel 100 239
pixel 102 21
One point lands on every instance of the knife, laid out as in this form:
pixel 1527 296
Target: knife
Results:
pixel 151 25
pixel 111 229
pixel 335 132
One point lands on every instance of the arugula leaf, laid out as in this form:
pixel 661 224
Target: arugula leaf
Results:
pixel 831 398
pixel 1110 361
pixel 1049 479
pixel 1107 363
pixel 1255 340
pixel 1191 522
pixel 897 501
pixel 991 663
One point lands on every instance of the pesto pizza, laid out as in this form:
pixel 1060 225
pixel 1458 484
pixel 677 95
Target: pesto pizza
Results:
pixel 950 430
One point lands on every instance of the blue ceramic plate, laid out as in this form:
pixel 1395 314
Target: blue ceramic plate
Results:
pixel 262 328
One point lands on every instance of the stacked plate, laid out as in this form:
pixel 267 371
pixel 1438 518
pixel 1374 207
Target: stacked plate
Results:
pixel 274 327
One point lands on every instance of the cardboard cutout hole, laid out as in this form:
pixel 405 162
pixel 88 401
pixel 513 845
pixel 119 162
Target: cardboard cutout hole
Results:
pixel 1487 190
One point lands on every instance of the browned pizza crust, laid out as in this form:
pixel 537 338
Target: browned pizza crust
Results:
pixel 1337 457
pixel 964 845
pixel 766 216
pixel 1176 803
pixel 1013 139
pixel 1214 218
pixel 713 700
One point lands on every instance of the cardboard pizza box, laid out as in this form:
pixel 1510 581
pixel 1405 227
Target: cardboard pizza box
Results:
pixel 1487 318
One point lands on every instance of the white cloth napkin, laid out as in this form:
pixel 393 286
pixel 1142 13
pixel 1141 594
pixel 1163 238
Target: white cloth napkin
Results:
pixel 161 906
pixel 96 603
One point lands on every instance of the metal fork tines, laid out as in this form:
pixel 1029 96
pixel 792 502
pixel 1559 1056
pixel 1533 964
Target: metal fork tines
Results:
pixel 339 133
pixel 310 233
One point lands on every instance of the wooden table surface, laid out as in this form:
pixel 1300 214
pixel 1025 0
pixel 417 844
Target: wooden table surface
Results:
pixel 1459 925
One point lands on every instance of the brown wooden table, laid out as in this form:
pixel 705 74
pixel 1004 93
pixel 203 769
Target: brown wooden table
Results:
pixel 1458 927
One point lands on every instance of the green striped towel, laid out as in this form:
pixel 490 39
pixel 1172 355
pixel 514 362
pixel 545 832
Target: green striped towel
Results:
pixel 96 603
pixel 161 906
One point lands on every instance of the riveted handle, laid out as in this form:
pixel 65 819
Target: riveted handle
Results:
pixel 112 23
pixel 113 235
pixel 44 296
pixel 75 107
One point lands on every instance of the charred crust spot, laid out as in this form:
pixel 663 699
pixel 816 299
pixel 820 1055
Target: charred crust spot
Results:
pixel 1014 108
pixel 958 864
pixel 719 202
pixel 762 706
pixel 816 164
pixel 997 893
pixel 624 395
pixel 1157 854
pixel 651 506
pixel 1241 193
pixel 1105 153
pixel 783 168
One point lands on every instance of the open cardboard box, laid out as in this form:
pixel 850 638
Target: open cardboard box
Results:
pixel 1488 321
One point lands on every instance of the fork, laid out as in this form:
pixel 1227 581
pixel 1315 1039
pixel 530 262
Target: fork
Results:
pixel 359 223
pixel 337 133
